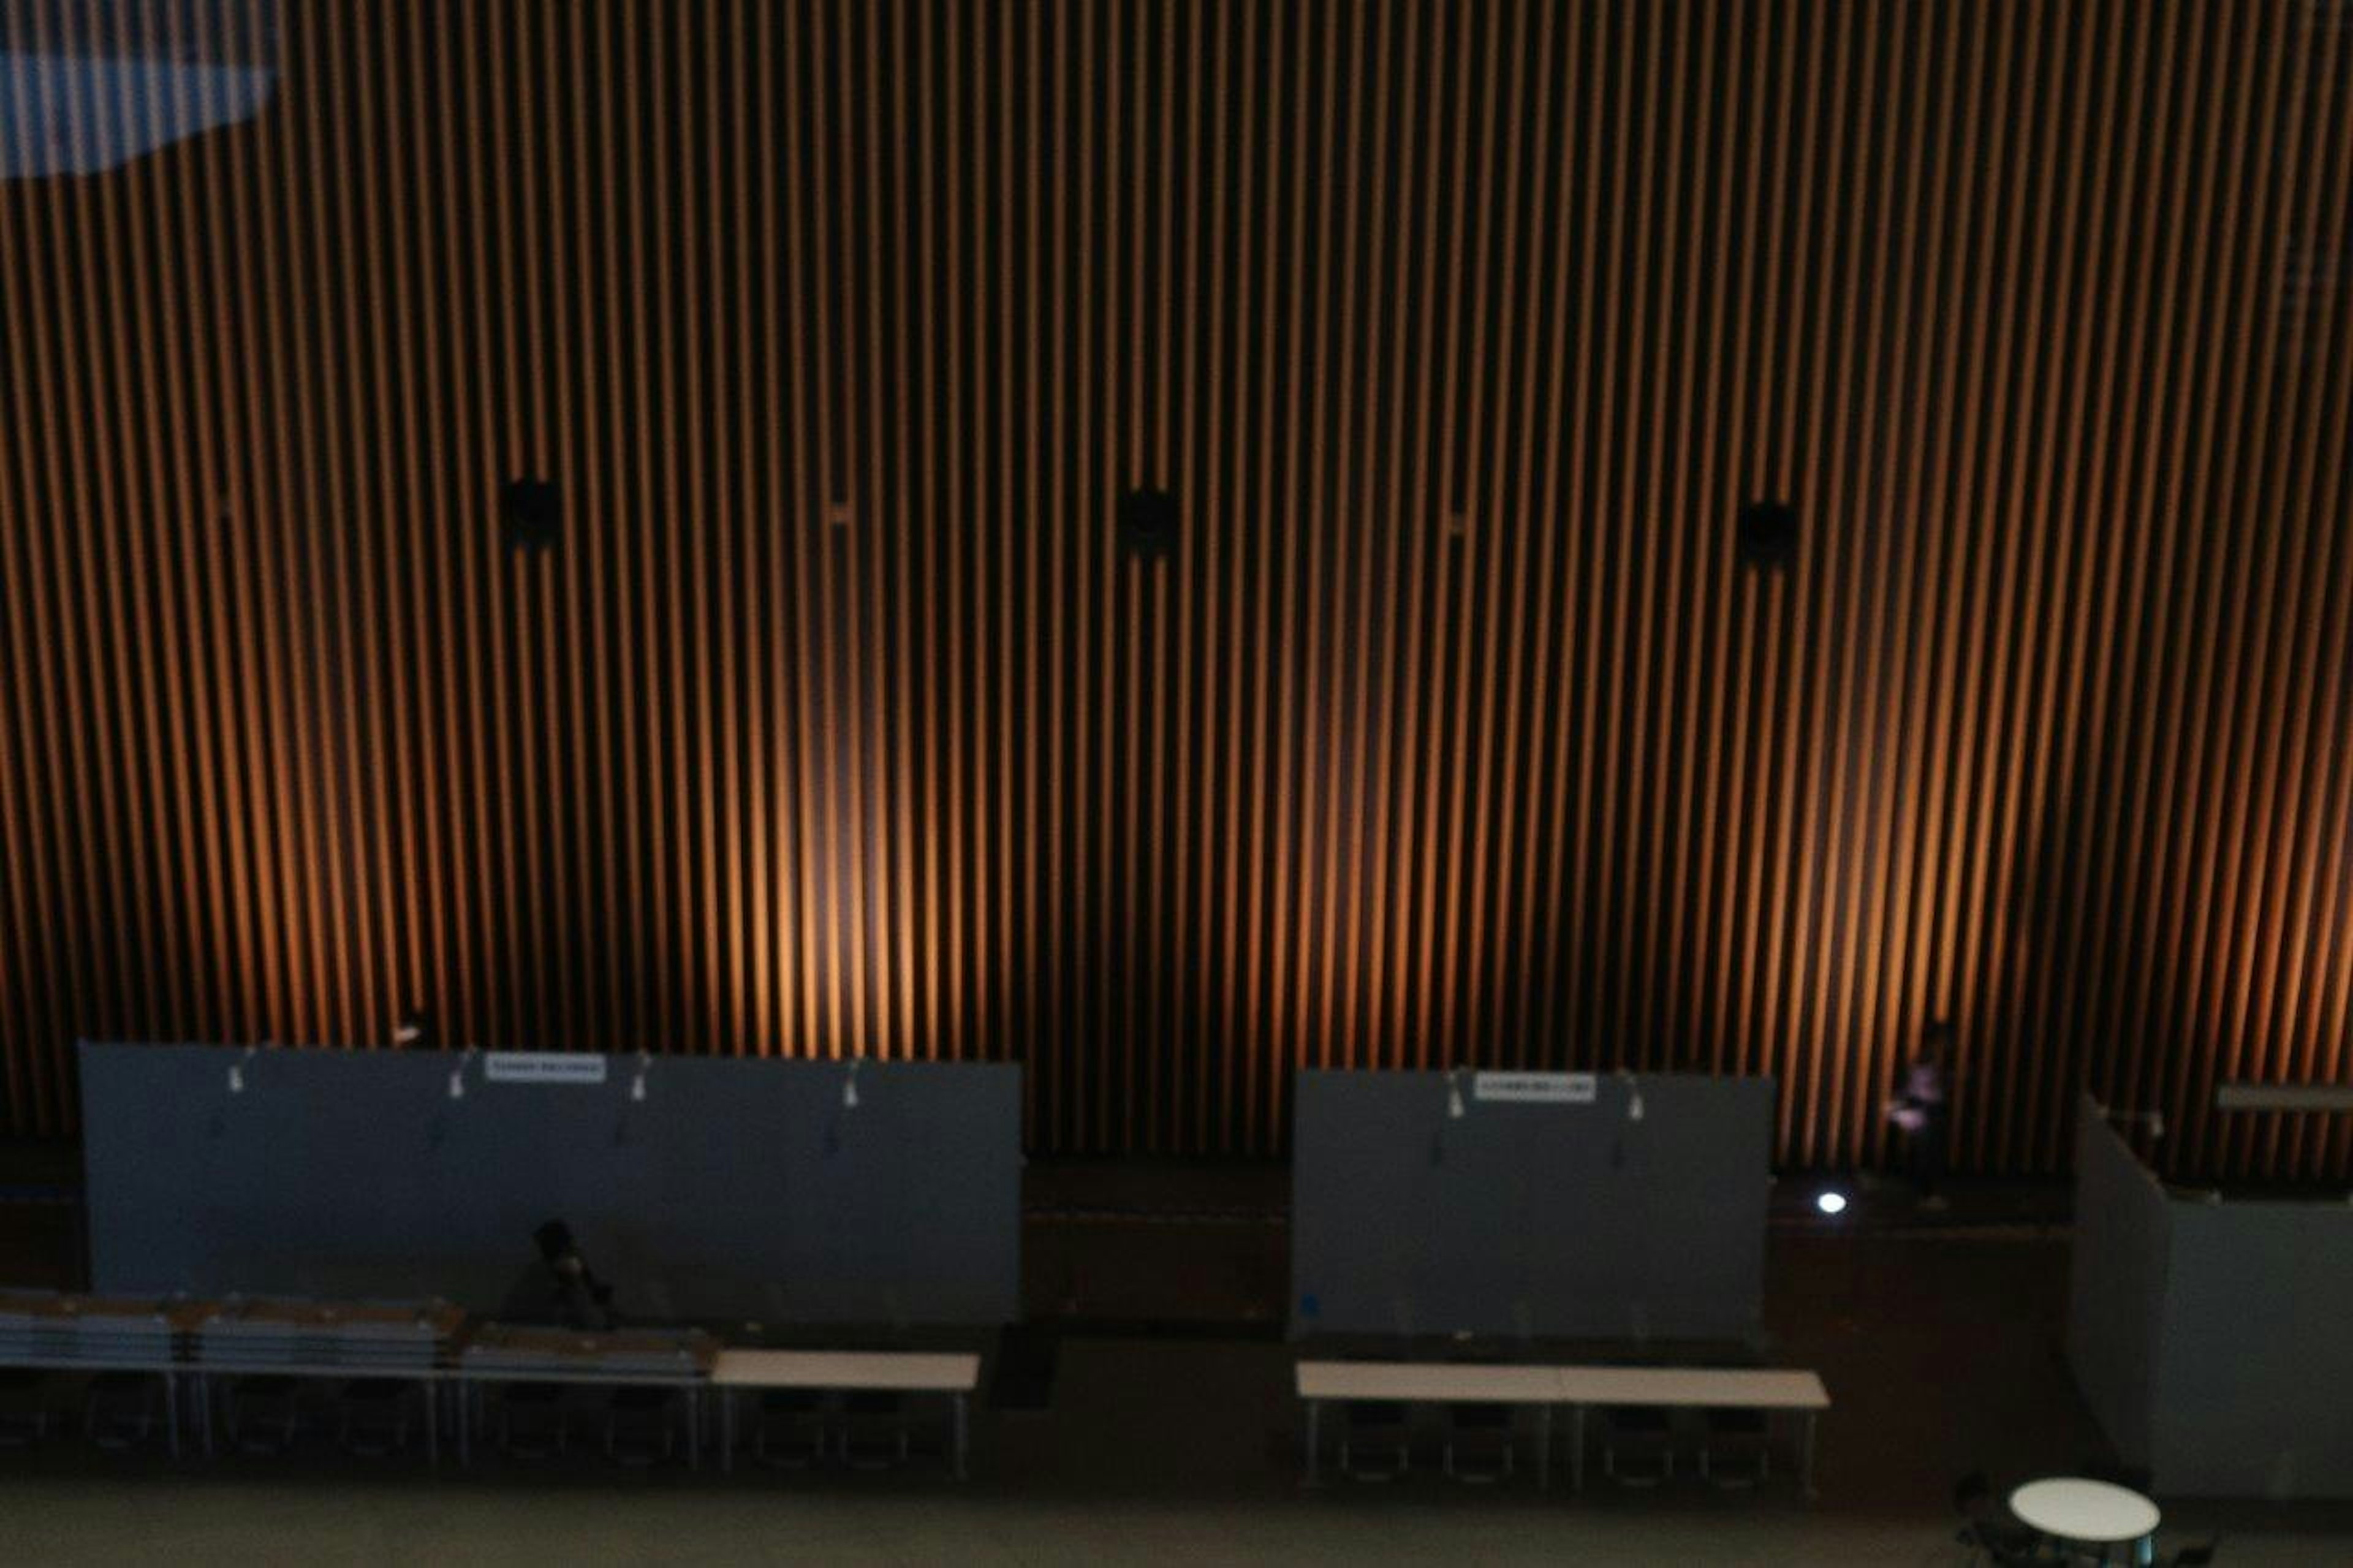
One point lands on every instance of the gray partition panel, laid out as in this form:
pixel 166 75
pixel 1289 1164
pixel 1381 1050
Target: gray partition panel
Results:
pixel 1529 1218
pixel 732 1189
pixel 2115 1295
pixel 2209 1337
pixel 2254 1385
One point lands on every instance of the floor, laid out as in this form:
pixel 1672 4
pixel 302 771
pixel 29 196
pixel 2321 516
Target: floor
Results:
pixel 1167 1432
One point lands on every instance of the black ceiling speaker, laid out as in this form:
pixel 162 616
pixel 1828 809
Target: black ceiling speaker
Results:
pixel 527 513
pixel 1768 536
pixel 1147 523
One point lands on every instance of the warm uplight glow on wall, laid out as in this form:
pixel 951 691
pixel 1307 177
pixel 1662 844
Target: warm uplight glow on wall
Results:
pixel 838 720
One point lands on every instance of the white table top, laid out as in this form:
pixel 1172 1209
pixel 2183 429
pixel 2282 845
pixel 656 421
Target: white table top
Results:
pixel 2086 1510
pixel 846 1369
pixel 1470 1383
pixel 1758 1388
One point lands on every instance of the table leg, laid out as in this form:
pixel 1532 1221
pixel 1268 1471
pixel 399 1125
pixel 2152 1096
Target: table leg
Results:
pixel 1577 1449
pixel 1806 1459
pixel 465 1415
pixel 172 1412
pixel 204 1409
pixel 693 1427
pixel 1544 1445
pixel 1313 1406
pixel 727 1431
pixel 432 1424
pixel 962 1437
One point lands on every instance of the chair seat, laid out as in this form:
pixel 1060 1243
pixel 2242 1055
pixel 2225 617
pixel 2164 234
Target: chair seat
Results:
pixel 264 1412
pixel 532 1420
pixel 1375 1440
pixel 371 1416
pixel 1637 1445
pixel 1736 1453
pixel 24 1406
pixel 122 1409
pixel 874 1433
pixel 642 1399
pixel 1479 1448
pixel 1984 1531
pixel 788 1428
pixel 640 1428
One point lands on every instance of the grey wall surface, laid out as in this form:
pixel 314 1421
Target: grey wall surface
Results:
pixel 2210 1337
pixel 2255 1386
pixel 2115 1296
pixel 1529 1219
pixel 735 1189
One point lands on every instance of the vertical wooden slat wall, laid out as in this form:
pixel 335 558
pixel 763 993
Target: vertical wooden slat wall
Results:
pixel 1451 733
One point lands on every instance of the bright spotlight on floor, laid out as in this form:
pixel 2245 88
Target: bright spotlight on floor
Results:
pixel 1832 1203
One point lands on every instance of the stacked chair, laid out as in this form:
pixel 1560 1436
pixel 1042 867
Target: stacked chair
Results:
pixel 1989 1534
pixel 534 1420
pixel 128 1348
pixel 1736 1452
pixel 789 1430
pixel 1479 1448
pixel 803 1428
pixel 1637 1445
pixel 647 1371
pixel 874 1434
pixel 642 1424
pixel 24 1407
pixel 1375 1439
pixel 379 1356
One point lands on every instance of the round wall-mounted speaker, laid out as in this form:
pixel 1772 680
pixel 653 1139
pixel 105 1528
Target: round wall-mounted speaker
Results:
pixel 1768 536
pixel 527 513
pixel 1147 523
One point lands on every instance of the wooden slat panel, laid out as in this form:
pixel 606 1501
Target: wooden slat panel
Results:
pixel 839 722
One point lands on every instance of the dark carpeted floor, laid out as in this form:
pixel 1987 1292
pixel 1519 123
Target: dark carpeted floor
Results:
pixel 1144 1415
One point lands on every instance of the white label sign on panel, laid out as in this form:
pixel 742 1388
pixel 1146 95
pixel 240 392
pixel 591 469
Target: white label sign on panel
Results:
pixel 1553 1088
pixel 542 1067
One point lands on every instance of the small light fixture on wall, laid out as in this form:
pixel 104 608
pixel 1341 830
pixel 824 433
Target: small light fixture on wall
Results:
pixel 638 1084
pixel 1767 534
pixel 528 514
pixel 236 1069
pixel 1454 1094
pixel 457 1075
pixel 414 1031
pixel 849 1087
pixel 1147 523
